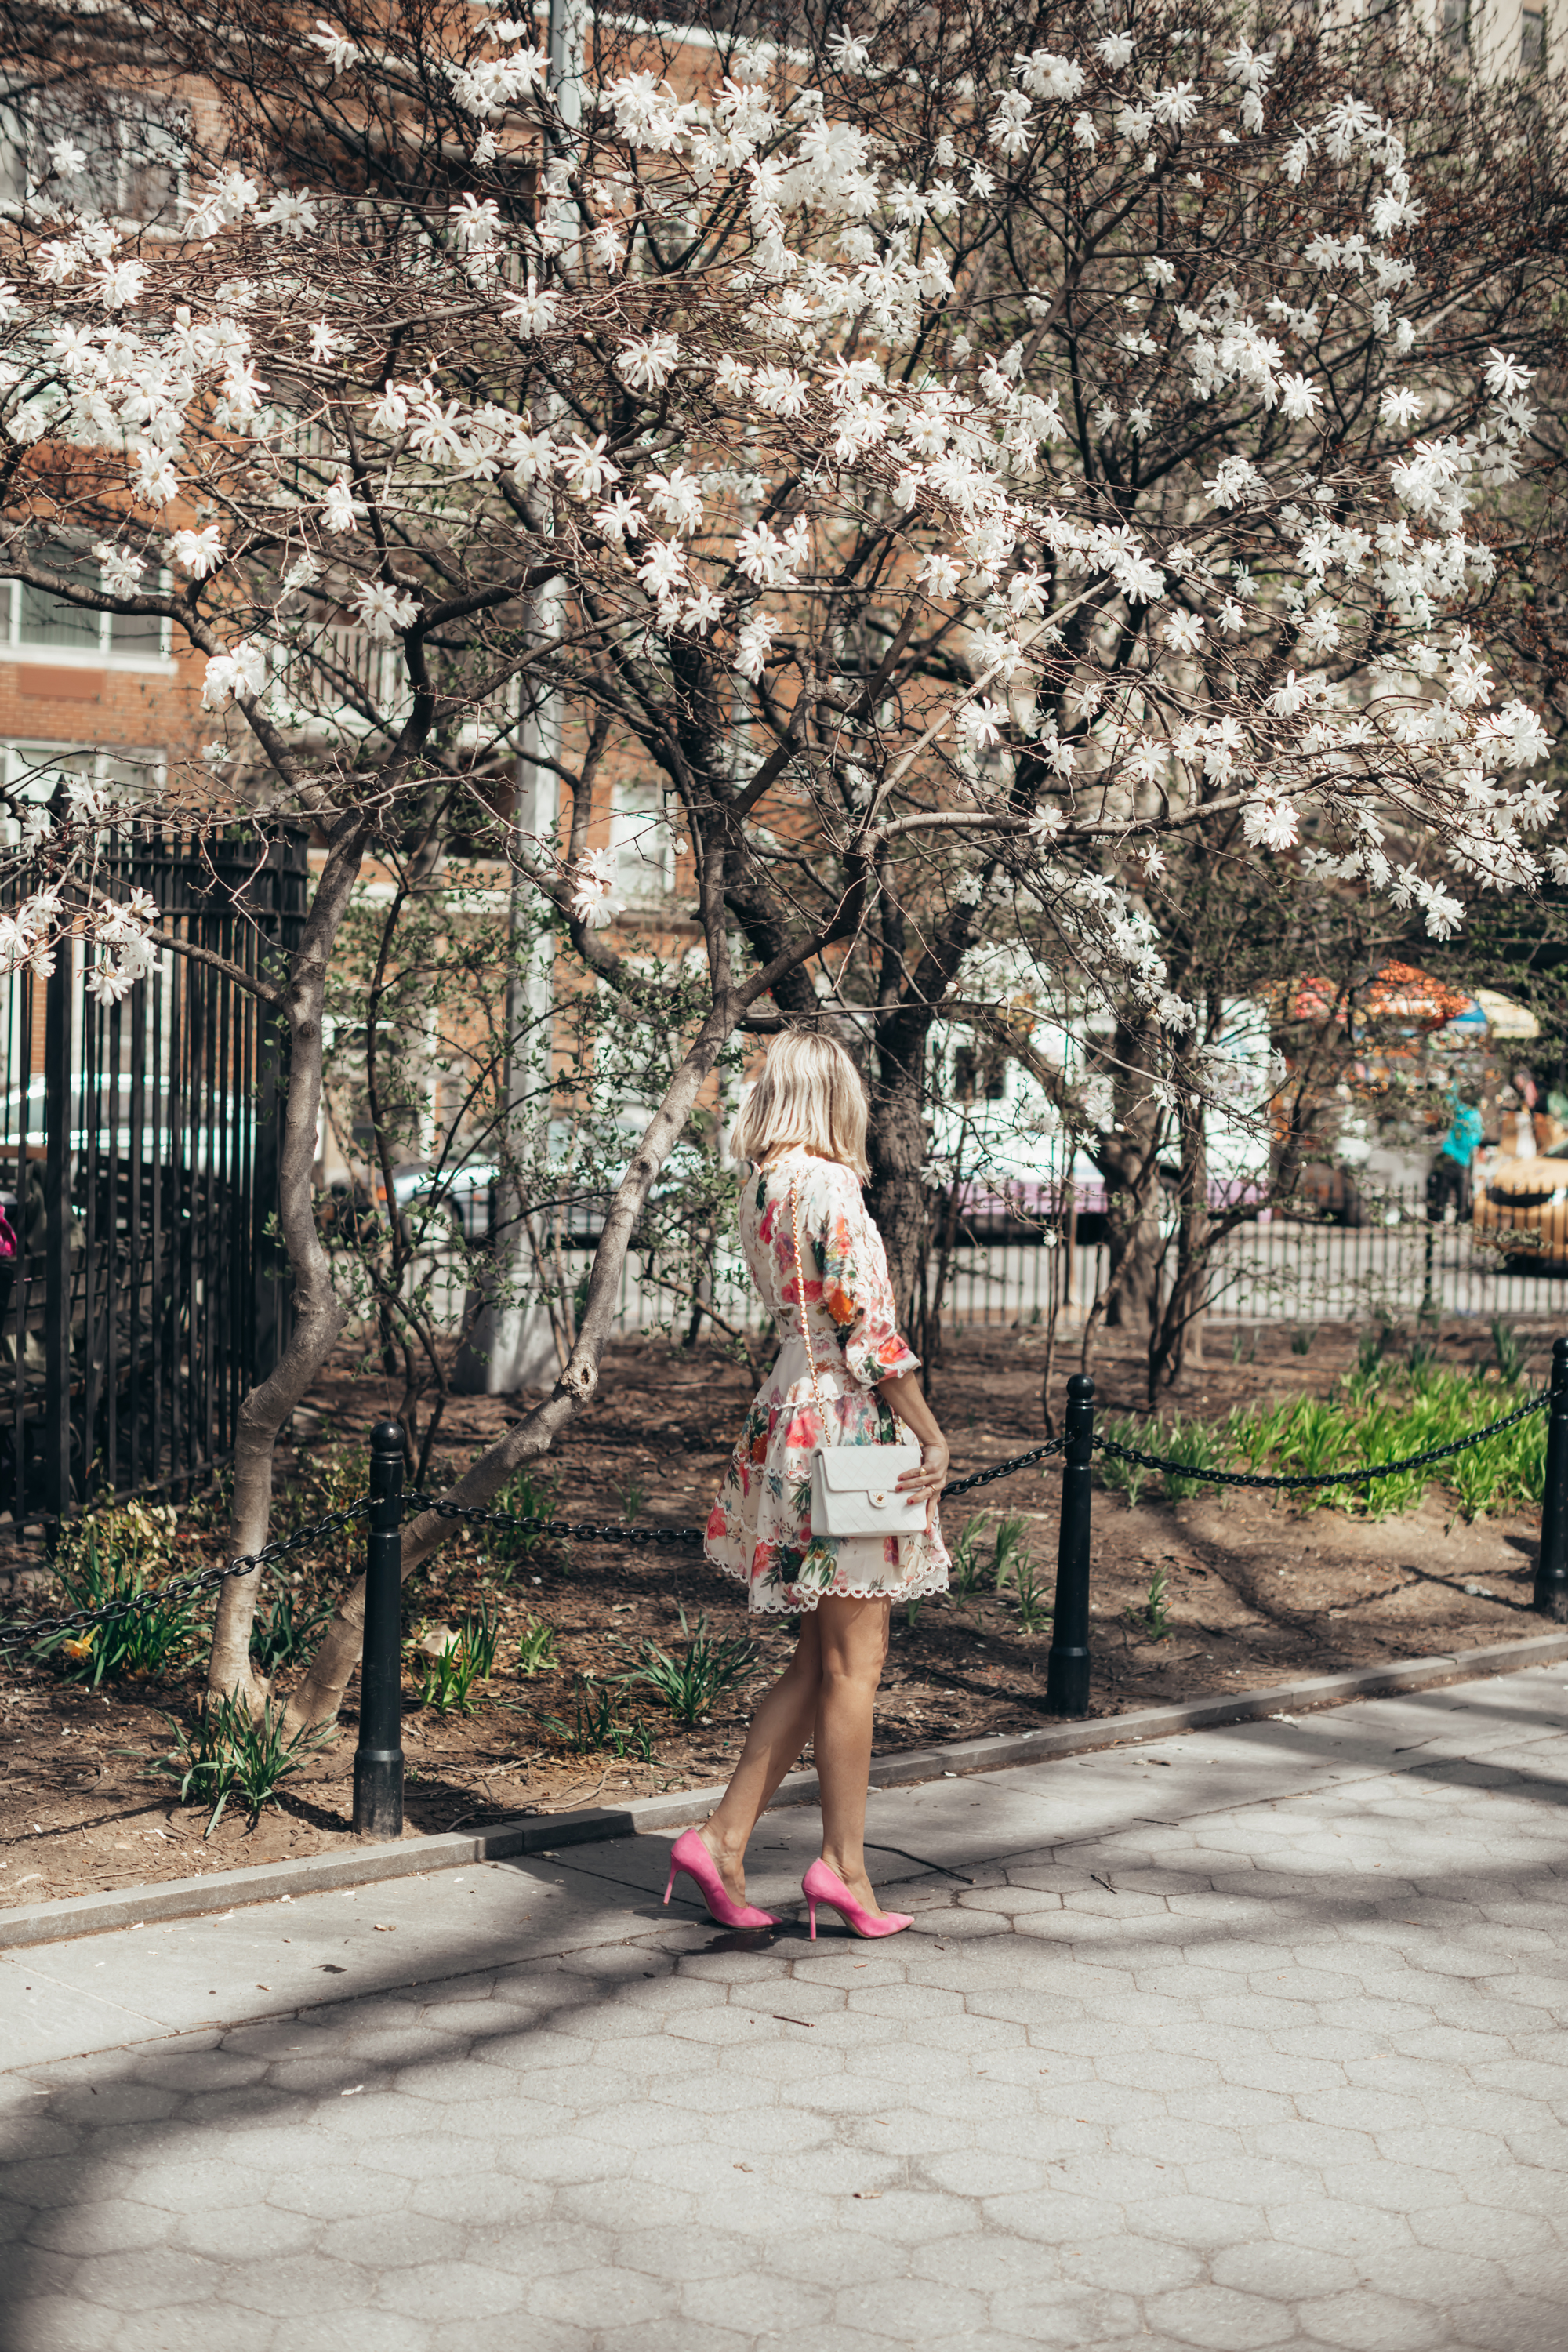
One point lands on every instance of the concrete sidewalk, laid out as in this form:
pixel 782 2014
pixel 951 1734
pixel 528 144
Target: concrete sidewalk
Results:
pixel 1250 2039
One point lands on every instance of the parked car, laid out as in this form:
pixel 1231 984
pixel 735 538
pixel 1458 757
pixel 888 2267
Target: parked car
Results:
pixel 160 1124
pixel 1521 1208
pixel 466 1193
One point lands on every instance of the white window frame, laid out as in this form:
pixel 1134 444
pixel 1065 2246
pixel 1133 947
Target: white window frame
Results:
pixel 103 656
pixel 642 843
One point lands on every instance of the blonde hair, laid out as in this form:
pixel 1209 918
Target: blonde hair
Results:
pixel 809 1093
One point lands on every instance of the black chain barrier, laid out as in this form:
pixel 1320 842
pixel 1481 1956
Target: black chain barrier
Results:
pixel 1323 1478
pixel 618 1531
pixel 19 1632
pixel 183 1588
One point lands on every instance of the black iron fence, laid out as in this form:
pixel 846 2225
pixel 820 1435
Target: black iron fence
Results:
pixel 138 1172
pixel 1381 1255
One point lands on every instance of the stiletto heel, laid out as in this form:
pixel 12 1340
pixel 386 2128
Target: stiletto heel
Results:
pixel 821 1884
pixel 690 1855
pixel 670 1888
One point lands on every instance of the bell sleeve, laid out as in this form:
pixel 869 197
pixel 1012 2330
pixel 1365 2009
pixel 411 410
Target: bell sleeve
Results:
pixel 856 1289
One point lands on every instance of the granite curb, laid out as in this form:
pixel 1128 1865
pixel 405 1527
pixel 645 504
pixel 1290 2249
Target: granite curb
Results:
pixel 545 1834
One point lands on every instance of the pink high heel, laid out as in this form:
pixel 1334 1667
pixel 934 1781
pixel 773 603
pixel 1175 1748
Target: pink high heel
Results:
pixel 690 1855
pixel 821 1884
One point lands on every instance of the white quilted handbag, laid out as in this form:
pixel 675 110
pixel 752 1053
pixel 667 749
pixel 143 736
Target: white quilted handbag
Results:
pixel 853 1491
pixel 854 1488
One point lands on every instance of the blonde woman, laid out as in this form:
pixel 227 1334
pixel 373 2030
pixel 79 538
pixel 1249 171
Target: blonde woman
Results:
pixel 802 1141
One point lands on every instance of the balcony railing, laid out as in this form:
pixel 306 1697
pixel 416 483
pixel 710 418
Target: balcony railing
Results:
pixel 347 681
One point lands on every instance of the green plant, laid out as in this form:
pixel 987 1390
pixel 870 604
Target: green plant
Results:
pixel 1009 1553
pixel 1301 1339
pixel 1151 1619
pixel 331 1480
pixel 112 1556
pixel 1508 1353
pixel 964 1555
pixel 690 1687
pixel 536 1650
pixel 1197 1445
pixel 287 1631
pixel 1034 1610
pixel 1122 1477
pixel 1251 1433
pixel 525 1495
pixel 638 1741
pixel 232 1753
pixel 450 1678
pixel 632 1501
pixel 595 1724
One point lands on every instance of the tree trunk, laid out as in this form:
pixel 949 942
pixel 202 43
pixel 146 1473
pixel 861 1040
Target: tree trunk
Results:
pixel 320 1695
pixel 1129 1161
pixel 896 1195
pixel 318 1314
pixel 1175 1339
pixel 1134 1250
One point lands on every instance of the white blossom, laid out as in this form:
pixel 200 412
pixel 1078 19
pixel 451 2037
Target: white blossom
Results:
pixel 650 363
pixel 339 51
pixel 241 670
pixel 342 511
pixel 122 570
pixel 383 609
pixel 534 314
pixel 198 553
pixel 592 899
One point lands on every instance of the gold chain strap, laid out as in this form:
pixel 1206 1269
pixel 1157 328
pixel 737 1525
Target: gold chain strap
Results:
pixel 804 1320
pixel 800 1301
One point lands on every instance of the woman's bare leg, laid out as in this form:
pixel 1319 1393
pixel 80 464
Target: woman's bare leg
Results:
pixel 780 1729
pixel 853 1635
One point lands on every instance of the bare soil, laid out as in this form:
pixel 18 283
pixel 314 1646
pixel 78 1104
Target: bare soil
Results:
pixel 1258 1592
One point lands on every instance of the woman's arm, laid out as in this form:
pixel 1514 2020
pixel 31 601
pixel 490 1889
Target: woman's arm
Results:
pixel 904 1394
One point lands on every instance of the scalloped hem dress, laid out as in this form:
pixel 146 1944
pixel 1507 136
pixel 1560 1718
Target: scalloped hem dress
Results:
pixel 759 1531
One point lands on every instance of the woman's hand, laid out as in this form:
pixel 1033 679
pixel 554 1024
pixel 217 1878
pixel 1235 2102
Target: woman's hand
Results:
pixel 930 1479
pixel 926 1483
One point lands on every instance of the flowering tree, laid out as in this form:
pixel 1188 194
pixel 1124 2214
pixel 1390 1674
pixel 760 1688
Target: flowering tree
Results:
pixel 958 532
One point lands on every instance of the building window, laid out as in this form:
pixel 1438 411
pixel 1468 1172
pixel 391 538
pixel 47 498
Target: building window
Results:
pixel 34 619
pixel 31 771
pixel 1531 39
pixel 135 155
pixel 642 845
pixel 1457 24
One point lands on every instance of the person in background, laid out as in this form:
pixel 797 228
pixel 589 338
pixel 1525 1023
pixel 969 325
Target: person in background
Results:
pixel 1448 1179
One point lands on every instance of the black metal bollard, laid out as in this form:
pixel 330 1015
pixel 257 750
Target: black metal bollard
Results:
pixel 1551 1567
pixel 1066 1670
pixel 378 1759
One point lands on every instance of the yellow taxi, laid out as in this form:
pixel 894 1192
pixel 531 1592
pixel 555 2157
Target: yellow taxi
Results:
pixel 1521 1208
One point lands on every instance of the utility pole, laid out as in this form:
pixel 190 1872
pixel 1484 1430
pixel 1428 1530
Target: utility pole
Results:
pixel 510 1343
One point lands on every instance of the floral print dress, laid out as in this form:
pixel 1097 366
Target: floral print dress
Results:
pixel 759 1530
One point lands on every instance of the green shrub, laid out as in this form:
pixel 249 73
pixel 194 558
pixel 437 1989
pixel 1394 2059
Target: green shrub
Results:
pixel 450 1679
pixel 120 1554
pixel 690 1687
pixel 231 1753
